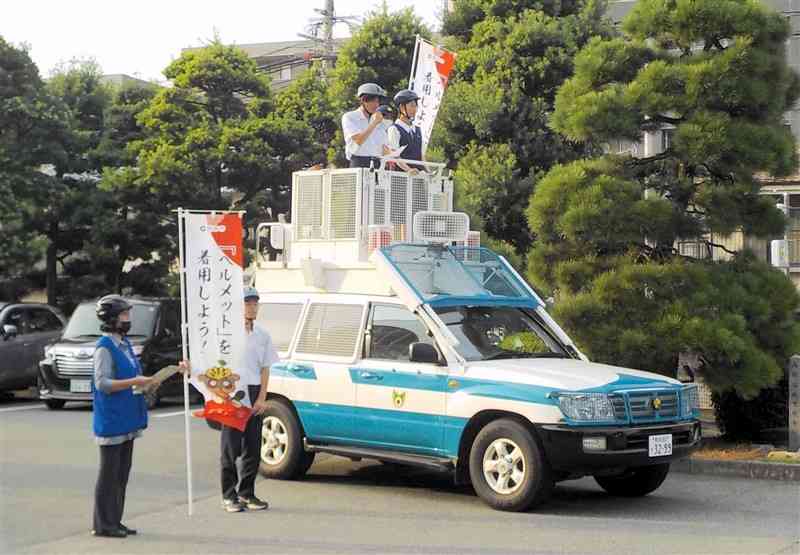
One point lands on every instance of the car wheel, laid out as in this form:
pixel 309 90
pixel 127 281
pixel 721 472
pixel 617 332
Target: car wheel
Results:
pixel 55 404
pixel 635 482
pixel 507 467
pixel 282 453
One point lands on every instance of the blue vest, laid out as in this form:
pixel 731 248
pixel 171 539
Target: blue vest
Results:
pixel 412 141
pixel 120 412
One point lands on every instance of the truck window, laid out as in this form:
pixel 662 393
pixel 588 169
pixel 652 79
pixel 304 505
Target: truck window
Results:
pixel 392 330
pixel 331 329
pixel 280 320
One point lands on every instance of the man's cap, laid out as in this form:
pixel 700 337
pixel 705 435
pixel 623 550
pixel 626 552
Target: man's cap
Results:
pixel 370 89
pixel 405 96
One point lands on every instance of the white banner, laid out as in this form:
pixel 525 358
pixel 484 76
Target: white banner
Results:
pixel 213 264
pixel 430 72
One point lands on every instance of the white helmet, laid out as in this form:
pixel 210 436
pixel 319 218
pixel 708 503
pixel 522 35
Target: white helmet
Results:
pixel 370 89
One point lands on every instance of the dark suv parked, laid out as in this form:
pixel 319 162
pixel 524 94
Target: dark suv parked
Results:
pixel 25 329
pixel 67 370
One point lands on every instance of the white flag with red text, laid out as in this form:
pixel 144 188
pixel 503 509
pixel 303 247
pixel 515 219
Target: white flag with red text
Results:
pixel 430 73
pixel 213 265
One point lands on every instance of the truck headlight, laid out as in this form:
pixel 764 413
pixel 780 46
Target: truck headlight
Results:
pixel 690 401
pixel 49 353
pixel 586 406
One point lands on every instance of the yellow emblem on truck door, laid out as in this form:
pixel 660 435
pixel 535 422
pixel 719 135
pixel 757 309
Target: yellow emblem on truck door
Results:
pixel 398 398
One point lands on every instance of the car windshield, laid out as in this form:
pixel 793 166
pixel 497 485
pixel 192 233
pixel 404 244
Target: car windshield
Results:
pixel 84 324
pixel 495 332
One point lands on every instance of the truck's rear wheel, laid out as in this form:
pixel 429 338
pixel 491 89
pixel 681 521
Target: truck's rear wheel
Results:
pixel 635 482
pixel 282 453
pixel 507 467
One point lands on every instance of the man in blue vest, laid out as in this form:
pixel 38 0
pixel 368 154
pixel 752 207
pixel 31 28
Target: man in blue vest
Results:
pixel 403 133
pixel 119 414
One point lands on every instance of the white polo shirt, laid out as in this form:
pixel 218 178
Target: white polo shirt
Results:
pixel 355 122
pixel 258 353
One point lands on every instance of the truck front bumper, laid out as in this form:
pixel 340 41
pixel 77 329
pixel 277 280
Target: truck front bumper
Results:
pixel 625 446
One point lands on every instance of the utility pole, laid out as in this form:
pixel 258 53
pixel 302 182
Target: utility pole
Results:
pixel 320 31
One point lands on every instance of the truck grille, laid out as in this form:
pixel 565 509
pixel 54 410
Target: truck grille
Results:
pixel 640 406
pixel 68 366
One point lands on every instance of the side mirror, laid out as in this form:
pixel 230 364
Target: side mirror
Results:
pixel 423 352
pixel 9 331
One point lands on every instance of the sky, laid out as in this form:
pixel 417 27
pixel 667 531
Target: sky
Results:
pixel 141 38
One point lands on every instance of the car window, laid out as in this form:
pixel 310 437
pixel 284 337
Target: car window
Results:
pixel 280 320
pixel 42 320
pixel 331 329
pixel 170 319
pixel 392 330
pixel 18 317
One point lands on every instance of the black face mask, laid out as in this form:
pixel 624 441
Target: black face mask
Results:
pixel 124 327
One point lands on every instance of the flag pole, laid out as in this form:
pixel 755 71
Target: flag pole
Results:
pixel 185 349
pixel 414 64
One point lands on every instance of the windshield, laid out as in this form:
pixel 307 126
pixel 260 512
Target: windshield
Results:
pixel 84 324
pixel 492 332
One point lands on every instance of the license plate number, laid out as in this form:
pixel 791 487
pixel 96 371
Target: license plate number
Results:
pixel 660 445
pixel 80 386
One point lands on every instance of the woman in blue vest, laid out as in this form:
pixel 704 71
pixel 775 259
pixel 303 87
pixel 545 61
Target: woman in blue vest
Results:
pixel 404 133
pixel 119 414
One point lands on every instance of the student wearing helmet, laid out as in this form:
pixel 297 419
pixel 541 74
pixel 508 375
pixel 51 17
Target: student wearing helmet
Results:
pixel 404 133
pixel 364 132
pixel 119 415
pixel 238 487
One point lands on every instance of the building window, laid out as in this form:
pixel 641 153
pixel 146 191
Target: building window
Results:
pixel 667 138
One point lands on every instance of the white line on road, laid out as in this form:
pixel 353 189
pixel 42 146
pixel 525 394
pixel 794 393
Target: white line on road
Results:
pixel 26 407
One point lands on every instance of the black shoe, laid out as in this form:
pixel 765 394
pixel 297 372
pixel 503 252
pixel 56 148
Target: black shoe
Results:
pixel 253 503
pixel 129 531
pixel 232 506
pixel 115 533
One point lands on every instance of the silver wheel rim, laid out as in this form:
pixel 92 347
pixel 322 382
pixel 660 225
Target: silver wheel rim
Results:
pixel 504 466
pixel 274 441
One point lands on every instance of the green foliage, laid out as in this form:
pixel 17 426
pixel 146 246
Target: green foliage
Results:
pixel 308 99
pixel 512 57
pixel 214 140
pixel 715 71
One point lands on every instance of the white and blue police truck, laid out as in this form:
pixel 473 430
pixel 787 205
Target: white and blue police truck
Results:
pixel 404 341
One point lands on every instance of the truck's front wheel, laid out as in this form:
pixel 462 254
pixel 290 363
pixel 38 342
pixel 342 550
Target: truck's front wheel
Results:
pixel 282 453
pixel 507 467
pixel 635 482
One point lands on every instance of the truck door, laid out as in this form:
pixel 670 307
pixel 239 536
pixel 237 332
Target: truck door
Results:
pixel 400 404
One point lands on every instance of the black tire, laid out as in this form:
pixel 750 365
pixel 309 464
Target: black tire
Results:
pixel 635 482
pixel 55 404
pixel 284 458
pixel 535 482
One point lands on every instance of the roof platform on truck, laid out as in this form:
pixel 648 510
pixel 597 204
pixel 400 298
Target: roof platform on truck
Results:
pixel 340 216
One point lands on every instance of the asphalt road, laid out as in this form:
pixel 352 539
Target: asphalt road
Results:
pixel 48 465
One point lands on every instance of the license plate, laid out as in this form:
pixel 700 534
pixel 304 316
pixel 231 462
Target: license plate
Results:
pixel 80 386
pixel 660 445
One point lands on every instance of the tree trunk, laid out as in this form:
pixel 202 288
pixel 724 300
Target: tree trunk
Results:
pixel 52 261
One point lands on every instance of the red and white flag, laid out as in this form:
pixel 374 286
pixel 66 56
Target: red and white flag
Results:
pixel 430 71
pixel 214 311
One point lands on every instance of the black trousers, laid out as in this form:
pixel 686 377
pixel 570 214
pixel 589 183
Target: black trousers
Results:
pixel 245 445
pixel 364 161
pixel 112 480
